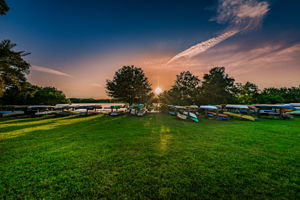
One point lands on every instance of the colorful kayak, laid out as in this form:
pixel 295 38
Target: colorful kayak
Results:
pixel 248 117
pixel 279 106
pixel 193 117
pixel 11 113
pixel 209 107
pixel 237 106
pixel 172 113
pixel 141 113
pixel 217 115
pixel 181 116
pixel 295 112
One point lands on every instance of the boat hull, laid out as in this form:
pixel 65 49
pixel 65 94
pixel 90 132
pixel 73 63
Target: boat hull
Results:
pixel 248 117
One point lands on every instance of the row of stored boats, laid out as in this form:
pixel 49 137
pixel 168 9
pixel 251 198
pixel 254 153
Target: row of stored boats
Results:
pixel 72 109
pixel 246 112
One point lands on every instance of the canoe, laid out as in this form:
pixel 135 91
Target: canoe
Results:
pixel 269 112
pixel 115 113
pixel 221 116
pixel 45 113
pixel 141 113
pixel 180 107
pixel 237 106
pixel 140 106
pixel 181 116
pixel 192 107
pixel 209 107
pixel 279 106
pixel 295 104
pixel 11 113
pixel 214 116
pixel 133 112
pixel 115 107
pixel 295 112
pixel 248 117
pixel 191 116
pixel 172 113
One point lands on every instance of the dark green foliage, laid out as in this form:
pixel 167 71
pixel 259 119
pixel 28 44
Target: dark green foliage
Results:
pixel 185 88
pixel 50 96
pixel 154 157
pixel 280 95
pixel 129 85
pixel 217 87
pixel 247 93
pixel 28 94
pixel 3 7
pixel 12 66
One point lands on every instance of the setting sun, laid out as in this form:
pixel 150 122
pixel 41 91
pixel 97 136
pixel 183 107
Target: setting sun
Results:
pixel 158 90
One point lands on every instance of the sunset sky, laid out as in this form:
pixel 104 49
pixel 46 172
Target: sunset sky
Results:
pixel 77 45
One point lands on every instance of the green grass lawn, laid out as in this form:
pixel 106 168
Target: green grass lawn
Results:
pixel 153 157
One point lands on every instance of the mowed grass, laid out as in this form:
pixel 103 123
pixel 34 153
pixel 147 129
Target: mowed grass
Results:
pixel 153 157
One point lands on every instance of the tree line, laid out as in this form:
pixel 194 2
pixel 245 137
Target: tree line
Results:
pixel 131 85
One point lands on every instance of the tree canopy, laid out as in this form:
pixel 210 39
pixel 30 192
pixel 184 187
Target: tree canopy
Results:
pixel 247 93
pixel 129 85
pixel 13 67
pixel 217 87
pixel 28 94
pixel 3 7
pixel 185 88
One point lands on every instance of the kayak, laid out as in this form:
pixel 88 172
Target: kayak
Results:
pixel 296 112
pixel 115 114
pixel 248 117
pixel 209 107
pixel 279 106
pixel 172 113
pixel 269 112
pixel 11 113
pixel 217 115
pixel 133 112
pixel 181 116
pixel 141 113
pixel 191 116
pixel 237 106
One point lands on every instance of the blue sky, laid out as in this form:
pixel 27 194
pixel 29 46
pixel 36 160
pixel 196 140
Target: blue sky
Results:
pixel 88 40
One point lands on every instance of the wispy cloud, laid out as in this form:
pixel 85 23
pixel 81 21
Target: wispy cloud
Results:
pixel 49 70
pixel 239 15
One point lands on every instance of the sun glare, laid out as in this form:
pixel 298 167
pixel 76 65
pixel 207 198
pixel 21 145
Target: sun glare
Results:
pixel 158 90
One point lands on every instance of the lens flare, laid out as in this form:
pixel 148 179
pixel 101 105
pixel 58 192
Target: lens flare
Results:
pixel 158 90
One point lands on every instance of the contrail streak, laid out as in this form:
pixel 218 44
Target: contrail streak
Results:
pixel 48 70
pixel 203 46
pixel 240 15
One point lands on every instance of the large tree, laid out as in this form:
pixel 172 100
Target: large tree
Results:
pixel 13 67
pixel 247 93
pixel 130 85
pixel 217 87
pixel 185 89
pixel 3 7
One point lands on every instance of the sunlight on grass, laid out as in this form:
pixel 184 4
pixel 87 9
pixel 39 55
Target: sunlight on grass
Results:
pixel 156 156
pixel 50 123
pixel 164 138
